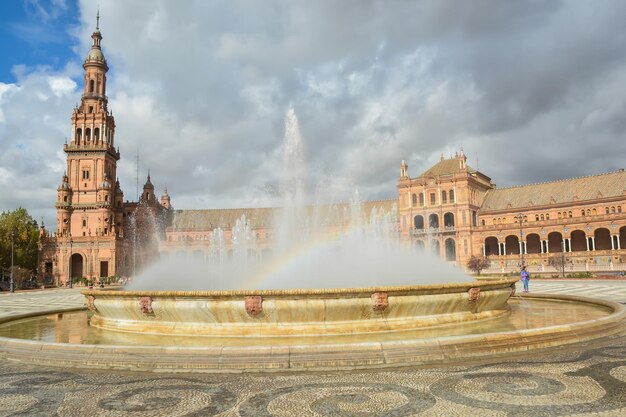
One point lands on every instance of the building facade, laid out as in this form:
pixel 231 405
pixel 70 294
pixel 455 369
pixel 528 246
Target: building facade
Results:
pixel 98 234
pixel 450 210
pixel 457 212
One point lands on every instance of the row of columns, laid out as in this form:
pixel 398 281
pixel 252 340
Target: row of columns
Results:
pixel 566 245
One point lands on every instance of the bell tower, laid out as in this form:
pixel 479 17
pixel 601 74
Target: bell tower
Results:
pixel 89 204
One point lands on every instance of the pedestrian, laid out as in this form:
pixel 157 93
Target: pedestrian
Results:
pixel 525 278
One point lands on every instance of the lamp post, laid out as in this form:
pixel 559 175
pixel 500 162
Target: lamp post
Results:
pixel 70 262
pixel 11 282
pixel 520 219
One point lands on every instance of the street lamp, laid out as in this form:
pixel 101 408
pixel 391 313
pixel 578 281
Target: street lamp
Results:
pixel 11 282
pixel 520 219
pixel 70 262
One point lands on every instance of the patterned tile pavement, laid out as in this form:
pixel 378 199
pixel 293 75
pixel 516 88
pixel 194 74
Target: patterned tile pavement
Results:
pixel 588 380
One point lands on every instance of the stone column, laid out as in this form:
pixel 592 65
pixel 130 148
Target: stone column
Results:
pixel 484 250
pixel 569 244
pixel 593 243
pixel 612 242
pixel 521 247
pixel 547 247
pixel 618 244
pixel 587 241
pixel 504 248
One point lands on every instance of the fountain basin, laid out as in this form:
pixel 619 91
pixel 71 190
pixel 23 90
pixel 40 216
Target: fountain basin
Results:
pixel 536 322
pixel 298 312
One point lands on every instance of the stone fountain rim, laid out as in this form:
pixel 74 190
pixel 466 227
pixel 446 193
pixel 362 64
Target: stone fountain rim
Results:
pixel 259 359
pixel 400 289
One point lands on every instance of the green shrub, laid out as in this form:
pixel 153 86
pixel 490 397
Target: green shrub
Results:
pixel 580 275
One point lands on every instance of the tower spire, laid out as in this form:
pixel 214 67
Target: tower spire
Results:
pixel 98 20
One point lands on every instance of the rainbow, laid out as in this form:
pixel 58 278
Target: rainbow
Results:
pixel 290 257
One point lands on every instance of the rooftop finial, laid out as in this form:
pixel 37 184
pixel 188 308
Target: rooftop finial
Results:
pixel 98 19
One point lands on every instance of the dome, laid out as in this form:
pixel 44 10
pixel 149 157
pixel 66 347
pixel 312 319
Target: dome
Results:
pixel 105 183
pixel 95 54
pixel 65 185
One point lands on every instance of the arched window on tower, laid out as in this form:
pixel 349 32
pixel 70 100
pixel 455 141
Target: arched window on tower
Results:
pixel 414 199
pixel 421 199
pixel 79 136
pixel 96 134
pixel 444 197
pixel 91 85
pixel 88 135
pixel 452 196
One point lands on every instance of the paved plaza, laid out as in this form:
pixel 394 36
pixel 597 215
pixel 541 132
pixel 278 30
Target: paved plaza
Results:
pixel 589 379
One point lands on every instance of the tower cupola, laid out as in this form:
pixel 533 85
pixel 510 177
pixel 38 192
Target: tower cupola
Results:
pixel 95 55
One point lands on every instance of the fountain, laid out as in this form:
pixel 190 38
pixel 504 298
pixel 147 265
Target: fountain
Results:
pixel 319 281
pixel 337 291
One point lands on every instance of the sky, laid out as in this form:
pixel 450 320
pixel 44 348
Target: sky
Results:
pixel 532 91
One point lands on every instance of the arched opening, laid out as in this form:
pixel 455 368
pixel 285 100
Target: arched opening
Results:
pixel 88 134
pixel 578 241
pixel 91 86
pixel 418 222
pixel 421 199
pixel 96 134
pixel 450 250
pixel 622 237
pixel 452 196
pixel 414 199
pixel 533 243
pixel 444 197
pixel 491 246
pixel 79 135
pixel 435 249
pixel 448 220
pixel 555 242
pixel 512 245
pixel 419 244
pixel 76 267
pixel 433 221
pixel 602 239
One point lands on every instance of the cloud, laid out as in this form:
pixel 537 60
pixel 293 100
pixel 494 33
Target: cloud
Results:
pixel 533 91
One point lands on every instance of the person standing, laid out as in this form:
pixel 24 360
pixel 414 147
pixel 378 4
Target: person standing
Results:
pixel 525 278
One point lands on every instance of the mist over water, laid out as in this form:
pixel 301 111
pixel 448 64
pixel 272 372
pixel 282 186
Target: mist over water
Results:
pixel 308 248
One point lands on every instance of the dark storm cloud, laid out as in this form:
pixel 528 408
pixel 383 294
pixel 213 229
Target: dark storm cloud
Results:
pixel 533 91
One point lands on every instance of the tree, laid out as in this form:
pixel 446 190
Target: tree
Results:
pixel 25 239
pixel 478 263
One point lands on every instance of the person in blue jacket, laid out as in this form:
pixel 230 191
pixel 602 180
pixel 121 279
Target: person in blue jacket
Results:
pixel 525 277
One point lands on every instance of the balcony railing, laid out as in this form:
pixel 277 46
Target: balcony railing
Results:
pixel 95 95
pixel 554 222
pixel 434 231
